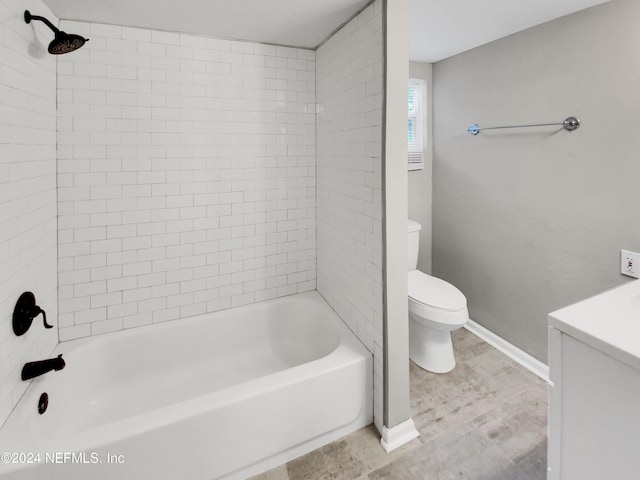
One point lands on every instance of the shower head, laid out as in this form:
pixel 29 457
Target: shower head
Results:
pixel 63 42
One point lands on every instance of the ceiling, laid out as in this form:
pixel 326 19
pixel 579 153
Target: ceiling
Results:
pixel 439 28
pixel 300 23
pixel 442 28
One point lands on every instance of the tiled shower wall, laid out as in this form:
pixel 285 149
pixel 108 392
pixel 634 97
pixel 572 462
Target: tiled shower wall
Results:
pixel 349 137
pixel 186 176
pixel 27 190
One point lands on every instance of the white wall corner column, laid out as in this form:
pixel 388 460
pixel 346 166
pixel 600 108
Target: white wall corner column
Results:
pixel 398 427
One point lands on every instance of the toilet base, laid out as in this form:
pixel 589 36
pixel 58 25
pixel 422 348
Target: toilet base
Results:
pixel 431 349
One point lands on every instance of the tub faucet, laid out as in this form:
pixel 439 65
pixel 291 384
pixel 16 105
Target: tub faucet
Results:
pixel 35 369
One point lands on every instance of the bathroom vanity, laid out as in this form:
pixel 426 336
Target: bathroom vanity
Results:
pixel 594 394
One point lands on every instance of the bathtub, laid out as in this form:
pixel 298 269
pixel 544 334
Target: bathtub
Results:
pixel 221 396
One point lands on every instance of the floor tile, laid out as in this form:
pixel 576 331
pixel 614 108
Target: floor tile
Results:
pixel 467 345
pixel 278 473
pixel 517 427
pixel 452 408
pixel 334 461
pixel 451 456
pixel 534 463
pixel 364 445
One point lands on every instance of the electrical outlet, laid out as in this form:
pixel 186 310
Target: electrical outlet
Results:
pixel 630 263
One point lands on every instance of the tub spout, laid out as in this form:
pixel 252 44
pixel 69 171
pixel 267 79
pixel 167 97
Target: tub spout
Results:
pixel 35 369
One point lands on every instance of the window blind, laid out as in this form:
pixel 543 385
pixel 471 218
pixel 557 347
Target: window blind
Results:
pixel 415 131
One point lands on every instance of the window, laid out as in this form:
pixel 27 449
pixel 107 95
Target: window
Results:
pixel 415 134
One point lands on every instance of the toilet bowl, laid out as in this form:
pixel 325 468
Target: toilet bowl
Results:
pixel 436 308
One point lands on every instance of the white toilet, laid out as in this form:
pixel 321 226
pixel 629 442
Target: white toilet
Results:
pixel 435 309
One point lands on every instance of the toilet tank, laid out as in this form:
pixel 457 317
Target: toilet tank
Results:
pixel 413 230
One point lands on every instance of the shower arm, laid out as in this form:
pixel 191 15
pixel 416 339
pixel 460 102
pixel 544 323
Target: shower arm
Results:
pixel 28 17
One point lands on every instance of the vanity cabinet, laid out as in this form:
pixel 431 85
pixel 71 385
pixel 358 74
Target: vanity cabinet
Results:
pixel 594 394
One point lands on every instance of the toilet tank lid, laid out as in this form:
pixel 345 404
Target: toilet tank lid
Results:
pixel 413 226
pixel 434 292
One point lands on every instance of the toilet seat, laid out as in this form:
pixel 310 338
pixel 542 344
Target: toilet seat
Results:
pixel 433 292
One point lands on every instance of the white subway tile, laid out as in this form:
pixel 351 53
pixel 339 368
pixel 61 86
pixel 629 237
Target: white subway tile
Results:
pixel 137 320
pixel 168 38
pixel 116 311
pixel 105 299
pixel 72 333
pixel 122 284
pixel 165 315
pixel 348 196
pixel 104 273
pixel 184 217
pixel 74 305
pixel 194 309
pixel 137 34
pixel 106 326
pixel 154 305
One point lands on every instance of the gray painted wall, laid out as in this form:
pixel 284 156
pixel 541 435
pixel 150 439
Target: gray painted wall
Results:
pixel 397 410
pixel 526 221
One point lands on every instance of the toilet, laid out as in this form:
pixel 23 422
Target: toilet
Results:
pixel 436 308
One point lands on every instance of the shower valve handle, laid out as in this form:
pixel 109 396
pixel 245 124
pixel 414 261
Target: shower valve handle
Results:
pixel 44 317
pixel 24 313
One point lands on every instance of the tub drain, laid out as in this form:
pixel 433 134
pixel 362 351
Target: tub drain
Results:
pixel 43 403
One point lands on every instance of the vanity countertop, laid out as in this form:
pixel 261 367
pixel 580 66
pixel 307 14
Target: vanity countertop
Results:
pixel 609 322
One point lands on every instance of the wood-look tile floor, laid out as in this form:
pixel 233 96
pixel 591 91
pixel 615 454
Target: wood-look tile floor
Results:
pixel 485 420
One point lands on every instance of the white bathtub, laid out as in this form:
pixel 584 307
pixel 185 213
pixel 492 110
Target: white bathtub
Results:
pixel 225 395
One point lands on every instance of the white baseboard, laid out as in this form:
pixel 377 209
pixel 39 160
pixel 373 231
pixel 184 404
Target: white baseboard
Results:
pixel 397 436
pixel 532 364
